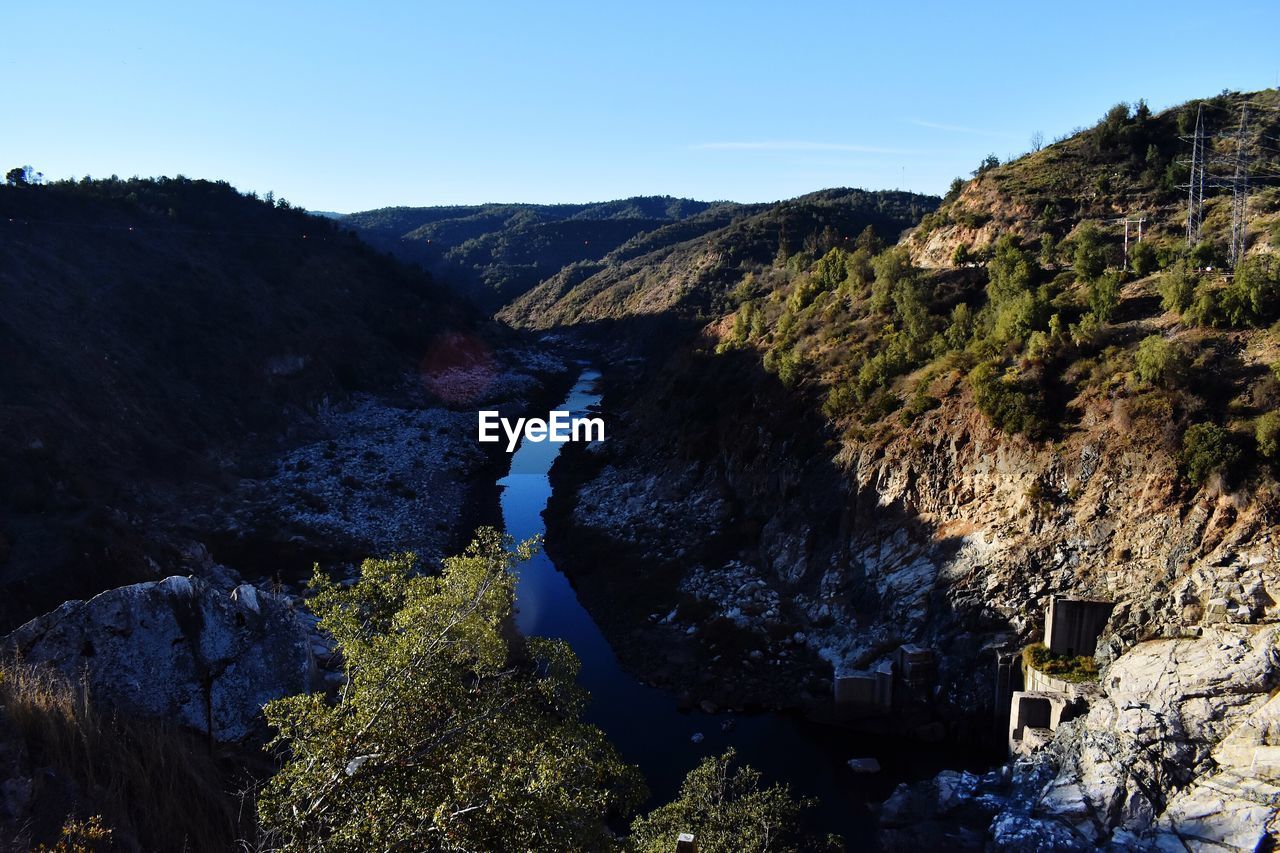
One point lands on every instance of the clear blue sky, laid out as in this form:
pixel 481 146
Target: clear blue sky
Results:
pixel 347 106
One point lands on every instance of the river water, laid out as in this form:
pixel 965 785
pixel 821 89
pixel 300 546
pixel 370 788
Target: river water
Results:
pixel 646 724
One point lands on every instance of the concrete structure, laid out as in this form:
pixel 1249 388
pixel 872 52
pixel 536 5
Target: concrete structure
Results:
pixel 1008 679
pixel 1072 626
pixel 909 676
pixel 918 667
pixel 1034 716
pixel 869 689
pixel 855 688
pixel 687 843
pixel 1035 681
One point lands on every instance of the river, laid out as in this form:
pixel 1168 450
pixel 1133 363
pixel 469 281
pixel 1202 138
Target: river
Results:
pixel 647 725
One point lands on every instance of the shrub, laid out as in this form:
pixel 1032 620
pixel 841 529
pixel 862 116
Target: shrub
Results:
pixel 1207 449
pixel 1204 308
pixel 1089 257
pixel 1267 433
pixel 1158 361
pixel 1011 404
pixel 728 809
pixel 1177 288
pixel 890 266
pixel 1253 296
pixel 1104 295
pixel 960 329
pixel 1143 258
pixel 1079 669
pixel 917 406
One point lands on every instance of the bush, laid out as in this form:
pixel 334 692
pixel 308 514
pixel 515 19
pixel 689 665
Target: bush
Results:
pixel 1207 449
pixel 1143 258
pixel 1079 669
pixel 1253 296
pixel 1267 433
pixel 1089 258
pixel 727 809
pixel 917 406
pixel 1012 405
pixel 1104 295
pixel 1158 361
pixel 1177 288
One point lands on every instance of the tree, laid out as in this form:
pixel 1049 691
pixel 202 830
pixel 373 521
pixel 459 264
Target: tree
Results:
pixel 1037 140
pixel 22 176
pixel 1267 433
pixel 1207 450
pixel 1104 295
pixel 891 266
pixel 446 736
pixel 1089 258
pixel 988 163
pixel 728 811
pixel 1143 258
pixel 1158 361
pixel 1177 288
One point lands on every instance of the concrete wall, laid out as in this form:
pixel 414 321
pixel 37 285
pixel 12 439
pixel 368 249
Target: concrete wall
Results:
pixel 1072 625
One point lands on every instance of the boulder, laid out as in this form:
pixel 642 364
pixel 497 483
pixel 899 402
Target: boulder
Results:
pixel 178 650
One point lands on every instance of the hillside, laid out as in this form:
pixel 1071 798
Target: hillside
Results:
pixel 493 253
pixel 154 334
pixel 867 445
pixel 676 273
pixel 1133 163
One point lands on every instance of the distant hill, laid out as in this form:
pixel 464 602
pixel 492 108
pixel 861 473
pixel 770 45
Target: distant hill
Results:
pixel 687 269
pixel 151 331
pixel 493 253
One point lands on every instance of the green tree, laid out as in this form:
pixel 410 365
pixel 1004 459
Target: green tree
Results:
pixel 1143 258
pixel 1089 258
pixel 1207 449
pixel 1104 295
pixel 988 163
pixel 1158 361
pixel 1267 433
pixel 727 810
pixel 960 329
pixel 444 736
pixel 891 266
pixel 1177 288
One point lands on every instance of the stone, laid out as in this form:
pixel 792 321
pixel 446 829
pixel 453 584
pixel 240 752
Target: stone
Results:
pixel 178 650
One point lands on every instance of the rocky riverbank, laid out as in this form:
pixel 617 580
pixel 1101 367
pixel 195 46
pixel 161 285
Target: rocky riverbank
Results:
pixel 1181 753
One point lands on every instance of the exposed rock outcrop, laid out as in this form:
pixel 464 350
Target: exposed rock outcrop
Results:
pixel 1179 754
pixel 179 650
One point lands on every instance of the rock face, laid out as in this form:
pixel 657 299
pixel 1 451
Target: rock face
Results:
pixel 179 650
pixel 1179 754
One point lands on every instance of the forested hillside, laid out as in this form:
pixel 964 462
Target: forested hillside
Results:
pixel 151 331
pixel 681 275
pixel 493 253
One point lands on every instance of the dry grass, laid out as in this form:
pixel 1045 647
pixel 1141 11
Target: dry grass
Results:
pixel 156 786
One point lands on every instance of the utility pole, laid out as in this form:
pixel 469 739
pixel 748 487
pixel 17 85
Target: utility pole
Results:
pixel 1195 184
pixel 1240 195
pixel 1128 220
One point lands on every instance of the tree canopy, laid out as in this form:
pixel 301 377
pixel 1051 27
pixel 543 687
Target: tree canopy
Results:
pixel 448 734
